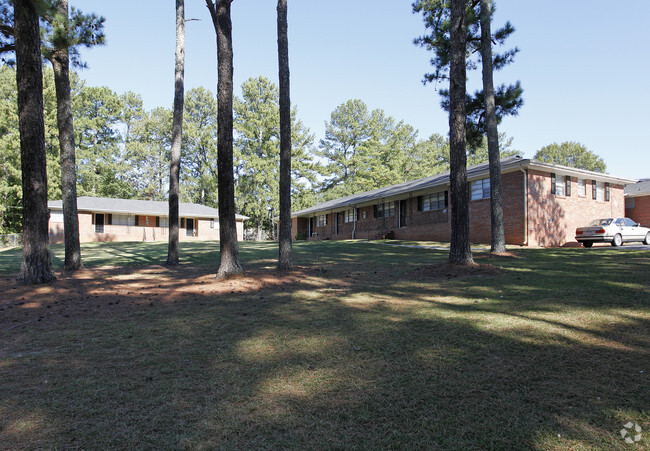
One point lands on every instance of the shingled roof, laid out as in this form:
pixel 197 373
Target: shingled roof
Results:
pixel 141 207
pixel 474 172
pixel 641 188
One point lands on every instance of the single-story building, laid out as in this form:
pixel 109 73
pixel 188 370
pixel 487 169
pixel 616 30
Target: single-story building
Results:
pixel 543 205
pixel 105 219
pixel 637 202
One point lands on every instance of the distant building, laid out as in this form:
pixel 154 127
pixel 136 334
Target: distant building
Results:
pixel 543 205
pixel 105 219
pixel 637 202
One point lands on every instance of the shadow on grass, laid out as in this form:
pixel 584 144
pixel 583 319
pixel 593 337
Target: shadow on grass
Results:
pixel 358 351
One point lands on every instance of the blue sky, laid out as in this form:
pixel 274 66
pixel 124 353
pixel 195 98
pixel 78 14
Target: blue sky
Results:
pixel 581 64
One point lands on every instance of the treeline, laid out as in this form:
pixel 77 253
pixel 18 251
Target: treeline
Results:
pixel 123 150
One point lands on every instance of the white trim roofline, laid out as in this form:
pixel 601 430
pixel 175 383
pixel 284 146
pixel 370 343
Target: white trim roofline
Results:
pixel 475 172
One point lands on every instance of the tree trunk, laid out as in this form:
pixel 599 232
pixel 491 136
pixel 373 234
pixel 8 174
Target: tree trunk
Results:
pixel 459 251
pixel 61 66
pixel 496 206
pixel 36 266
pixel 285 261
pixel 177 133
pixel 259 230
pixel 229 249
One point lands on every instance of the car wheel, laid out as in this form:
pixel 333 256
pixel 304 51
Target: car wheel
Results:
pixel 618 240
pixel 587 243
pixel 647 239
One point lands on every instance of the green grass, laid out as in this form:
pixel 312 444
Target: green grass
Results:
pixel 371 347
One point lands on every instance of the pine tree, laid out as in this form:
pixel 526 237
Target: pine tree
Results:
pixel 36 267
pixel 229 249
pixel 498 238
pixel 459 250
pixel 486 108
pixel 177 133
pixel 285 261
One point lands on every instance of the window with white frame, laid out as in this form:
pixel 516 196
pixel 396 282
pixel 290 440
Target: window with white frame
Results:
pixel 127 220
pixel 582 188
pixel 321 220
pixel 600 192
pixel 480 189
pixel 435 201
pixel 350 215
pixel 385 209
pixel 560 184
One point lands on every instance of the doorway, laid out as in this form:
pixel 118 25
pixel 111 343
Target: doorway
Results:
pixel 99 222
pixel 189 227
pixel 402 213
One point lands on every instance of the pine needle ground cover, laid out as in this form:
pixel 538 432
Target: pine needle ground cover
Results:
pixel 364 346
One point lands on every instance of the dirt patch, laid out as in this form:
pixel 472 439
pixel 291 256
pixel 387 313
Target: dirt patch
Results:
pixel 109 290
pixel 97 291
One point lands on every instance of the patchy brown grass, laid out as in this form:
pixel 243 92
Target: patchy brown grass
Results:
pixel 360 347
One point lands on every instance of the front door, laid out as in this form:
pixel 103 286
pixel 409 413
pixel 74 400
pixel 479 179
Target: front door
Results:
pixel 189 227
pixel 402 213
pixel 99 222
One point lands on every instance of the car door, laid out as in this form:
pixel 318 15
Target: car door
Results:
pixel 622 229
pixel 634 231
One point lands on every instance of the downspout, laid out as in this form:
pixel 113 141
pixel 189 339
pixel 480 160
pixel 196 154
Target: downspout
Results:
pixel 525 172
pixel 354 215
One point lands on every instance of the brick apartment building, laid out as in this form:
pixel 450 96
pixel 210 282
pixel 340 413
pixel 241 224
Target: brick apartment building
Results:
pixel 543 205
pixel 104 219
pixel 637 202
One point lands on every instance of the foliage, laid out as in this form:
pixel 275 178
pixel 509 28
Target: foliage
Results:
pixel 364 150
pixel 199 149
pixel 103 170
pixel 84 30
pixel 257 152
pixel 10 171
pixel 148 154
pixel 436 16
pixel 573 154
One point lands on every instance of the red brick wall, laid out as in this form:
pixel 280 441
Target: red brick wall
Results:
pixel 552 219
pixel 641 211
pixel 137 233
pixel 513 199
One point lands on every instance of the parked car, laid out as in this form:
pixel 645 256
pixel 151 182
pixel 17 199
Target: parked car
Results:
pixel 612 230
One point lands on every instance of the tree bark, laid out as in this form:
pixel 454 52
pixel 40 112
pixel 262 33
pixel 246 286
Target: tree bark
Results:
pixel 36 266
pixel 498 238
pixel 177 133
pixel 459 251
pixel 61 66
pixel 229 248
pixel 285 260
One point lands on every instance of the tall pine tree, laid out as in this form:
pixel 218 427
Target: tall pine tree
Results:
pixel 228 246
pixel 177 133
pixel 459 249
pixel 285 261
pixel 36 267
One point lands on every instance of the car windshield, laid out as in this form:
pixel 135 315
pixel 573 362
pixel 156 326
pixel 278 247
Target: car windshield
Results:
pixel 600 222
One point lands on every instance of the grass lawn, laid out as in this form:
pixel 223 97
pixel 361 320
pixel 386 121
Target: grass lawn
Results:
pixel 364 346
